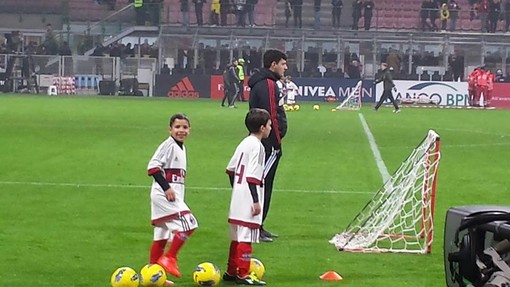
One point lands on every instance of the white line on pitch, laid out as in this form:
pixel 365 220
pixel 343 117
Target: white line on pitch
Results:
pixel 373 146
pixel 134 186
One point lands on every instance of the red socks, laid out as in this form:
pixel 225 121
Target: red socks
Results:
pixel 177 243
pixel 157 249
pixel 244 252
pixel 232 259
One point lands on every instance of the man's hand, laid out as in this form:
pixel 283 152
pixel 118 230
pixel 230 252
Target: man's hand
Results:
pixel 255 209
pixel 170 194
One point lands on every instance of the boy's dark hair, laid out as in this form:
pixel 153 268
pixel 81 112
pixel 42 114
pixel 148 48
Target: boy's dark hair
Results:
pixel 256 118
pixel 271 56
pixel 179 116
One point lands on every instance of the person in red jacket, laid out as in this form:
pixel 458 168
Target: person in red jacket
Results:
pixel 482 85
pixel 472 86
pixel 265 94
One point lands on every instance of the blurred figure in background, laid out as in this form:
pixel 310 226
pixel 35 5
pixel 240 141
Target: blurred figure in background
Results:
pixel 357 6
pixel 199 4
pixel 454 9
pixel 215 12
pixel 368 8
pixel 337 12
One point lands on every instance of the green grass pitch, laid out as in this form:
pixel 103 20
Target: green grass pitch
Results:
pixel 74 194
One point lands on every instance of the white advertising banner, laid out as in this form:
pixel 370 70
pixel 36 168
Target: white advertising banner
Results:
pixel 425 92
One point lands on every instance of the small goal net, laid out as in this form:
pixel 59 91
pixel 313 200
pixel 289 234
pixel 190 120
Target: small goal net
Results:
pixel 353 100
pixel 399 217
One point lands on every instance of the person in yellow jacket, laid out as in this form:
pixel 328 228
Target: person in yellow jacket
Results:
pixel 140 12
pixel 240 75
pixel 215 12
pixel 445 15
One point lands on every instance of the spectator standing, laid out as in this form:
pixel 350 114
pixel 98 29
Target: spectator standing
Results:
pixel 337 12
pixel 454 9
pixel 393 60
pixel 424 15
pixel 317 13
pixel 457 67
pixel 494 13
pixel 199 4
pixel 368 9
pixel 250 10
pixel 185 12
pixel 433 13
pixel 140 12
pixel 225 8
pixel 483 10
pixel 354 69
pixel 444 15
pixel 215 12
pixel 288 12
pixel 357 6
pixel 297 9
pixel 50 42
pixel 240 6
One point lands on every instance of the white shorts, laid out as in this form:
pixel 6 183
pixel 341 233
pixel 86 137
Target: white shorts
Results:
pixel 244 234
pixel 166 230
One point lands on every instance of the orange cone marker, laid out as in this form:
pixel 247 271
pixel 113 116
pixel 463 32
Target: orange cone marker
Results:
pixel 331 276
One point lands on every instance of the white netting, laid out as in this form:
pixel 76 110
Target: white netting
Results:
pixel 353 100
pixel 399 217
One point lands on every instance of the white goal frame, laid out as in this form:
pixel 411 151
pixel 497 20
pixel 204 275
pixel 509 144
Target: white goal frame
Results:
pixel 353 100
pixel 399 217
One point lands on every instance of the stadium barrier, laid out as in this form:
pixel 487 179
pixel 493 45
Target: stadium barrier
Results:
pixel 310 89
pixel 444 94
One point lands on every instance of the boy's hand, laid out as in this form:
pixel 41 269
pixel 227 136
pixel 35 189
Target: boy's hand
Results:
pixel 255 209
pixel 170 194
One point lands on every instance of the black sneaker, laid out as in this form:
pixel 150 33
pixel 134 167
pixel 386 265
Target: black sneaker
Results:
pixel 250 280
pixel 263 238
pixel 266 233
pixel 229 278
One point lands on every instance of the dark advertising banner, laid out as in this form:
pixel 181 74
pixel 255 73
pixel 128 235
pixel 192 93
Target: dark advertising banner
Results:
pixel 183 86
pixel 501 96
pixel 322 89
pixel 217 91
pixel 310 89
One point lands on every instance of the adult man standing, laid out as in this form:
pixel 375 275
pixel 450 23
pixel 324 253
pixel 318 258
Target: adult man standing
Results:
pixel 388 85
pixel 240 76
pixel 368 9
pixel 265 94
pixel 231 84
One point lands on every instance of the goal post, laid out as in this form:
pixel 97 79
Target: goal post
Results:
pixel 399 217
pixel 353 100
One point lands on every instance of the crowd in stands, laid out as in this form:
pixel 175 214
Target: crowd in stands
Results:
pixel 127 50
pixel 488 12
pixel 435 15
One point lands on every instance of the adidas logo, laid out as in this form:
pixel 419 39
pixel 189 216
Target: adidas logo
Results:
pixel 183 89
